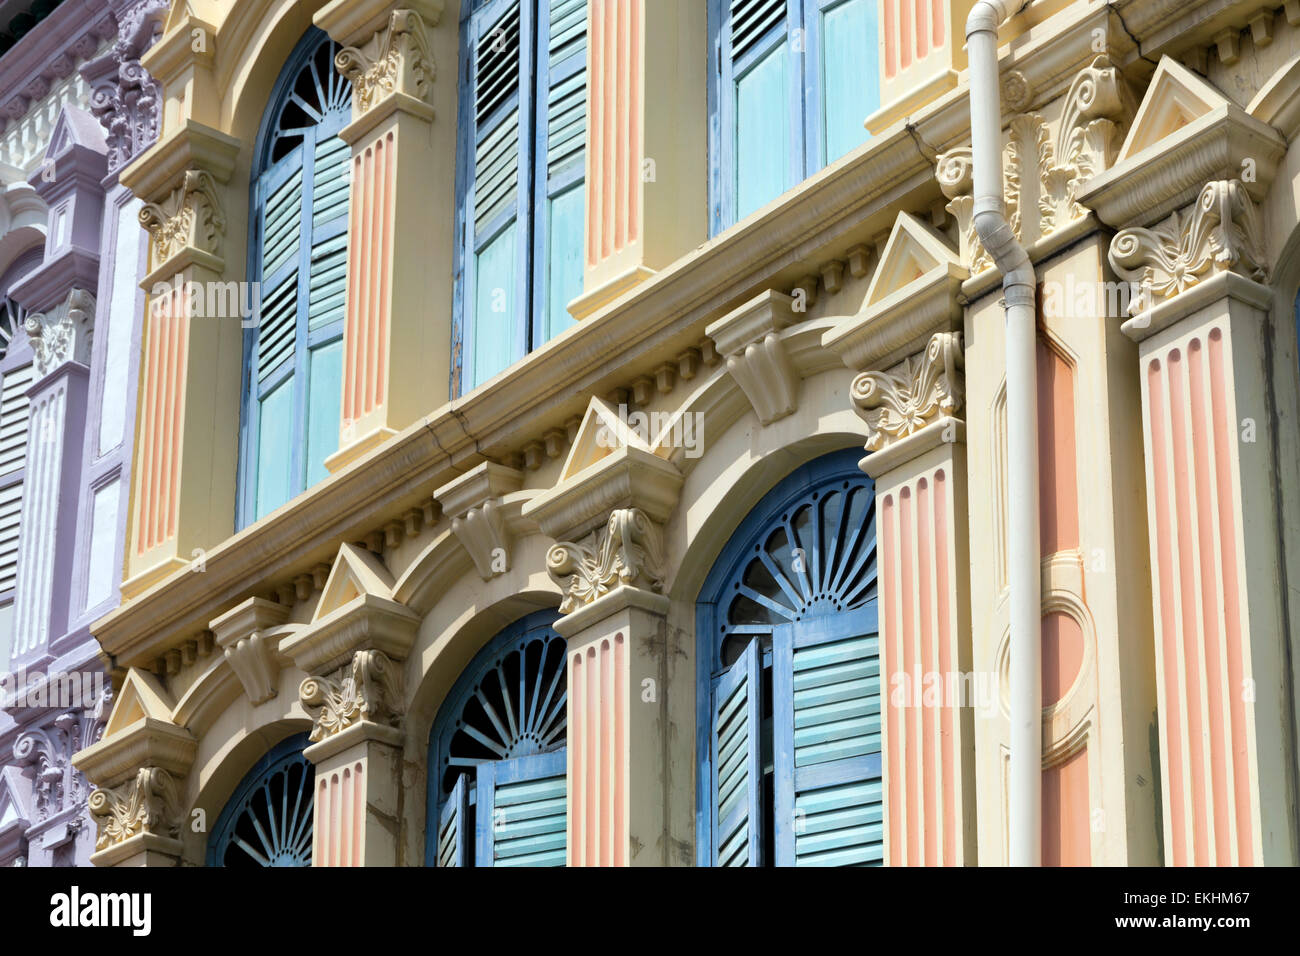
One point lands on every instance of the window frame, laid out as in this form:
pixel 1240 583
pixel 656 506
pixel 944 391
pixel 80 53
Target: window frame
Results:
pixel 265 177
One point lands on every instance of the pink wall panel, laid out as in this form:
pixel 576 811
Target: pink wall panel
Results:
pixel 370 253
pixel 166 332
pixel 598 754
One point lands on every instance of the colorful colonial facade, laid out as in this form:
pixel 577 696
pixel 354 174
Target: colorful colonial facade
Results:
pixel 77 107
pixel 577 431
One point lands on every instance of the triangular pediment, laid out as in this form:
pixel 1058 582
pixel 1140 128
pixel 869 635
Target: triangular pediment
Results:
pixel 75 127
pixel 913 251
pixel 1175 98
pixel 14 798
pixel 604 429
pixel 142 695
pixel 203 10
pixel 356 571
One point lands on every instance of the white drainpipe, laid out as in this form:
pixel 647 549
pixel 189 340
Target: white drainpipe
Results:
pixel 1025 811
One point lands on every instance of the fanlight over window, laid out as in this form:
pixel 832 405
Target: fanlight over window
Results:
pixel 268 820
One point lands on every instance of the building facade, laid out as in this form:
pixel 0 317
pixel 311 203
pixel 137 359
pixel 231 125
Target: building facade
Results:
pixel 576 432
pixel 77 108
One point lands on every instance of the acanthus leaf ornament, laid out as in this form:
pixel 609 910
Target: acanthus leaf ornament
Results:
pixel 629 551
pixel 190 216
pixel 147 803
pixel 897 402
pixel 1220 232
pixel 63 334
pixel 369 689
pixel 396 60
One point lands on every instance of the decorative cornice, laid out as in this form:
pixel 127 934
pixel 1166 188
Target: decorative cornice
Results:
pixel 191 217
pixel 63 334
pixel 1220 233
pixel 395 60
pixel 148 803
pixel 902 400
pixel 242 635
pixel 368 689
pixel 629 552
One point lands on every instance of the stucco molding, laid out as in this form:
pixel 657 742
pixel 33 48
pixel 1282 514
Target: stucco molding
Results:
pixel 242 634
pixel 124 98
pixel 148 803
pixel 900 401
pixel 749 338
pixel 628 552
pixel 63 334
pixel 367 689
pixel 478 514
pixel 1221 232
pixel 47 750
pixel 395 60
pixel 1044 175
pixel 190 218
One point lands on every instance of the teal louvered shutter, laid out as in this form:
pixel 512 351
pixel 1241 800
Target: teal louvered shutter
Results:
pixel 495 214
pixel 453 821
pixel 560 204
pixel 757 107
pixel 327 275
pixel 520 812
pixel 737 763
pixel 826 731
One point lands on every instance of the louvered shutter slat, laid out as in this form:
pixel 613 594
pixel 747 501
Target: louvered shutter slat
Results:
pixel 737 775
pixel 521 809
pixel 10 507
pixel 453 841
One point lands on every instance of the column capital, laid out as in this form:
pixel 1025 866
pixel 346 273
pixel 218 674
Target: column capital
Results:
pixel 367 691
pixel 141 815
pixel 1169 263
pixel 62 334
pixel 186 228
pixel 391 70
pixel 627 553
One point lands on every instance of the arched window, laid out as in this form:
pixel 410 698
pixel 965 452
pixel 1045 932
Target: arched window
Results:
pixel 293 354
pixel 497 754
pixel 17 375
pixel 790 84
pixel 519 181
pixel 788 690
pixel 268 819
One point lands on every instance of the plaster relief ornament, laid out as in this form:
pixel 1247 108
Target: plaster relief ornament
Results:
pixel 148 803
pixel 397 60
pixel 191 216
pixel 370 688
pixel 63 334
pixel 900 401
pixel 124 97
pixel 1221 232
pixel 47 751
pixel 628 552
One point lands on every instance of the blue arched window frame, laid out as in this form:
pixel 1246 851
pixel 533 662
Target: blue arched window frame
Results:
pixel 287 839
pixel 295 338
pixel 810 76
pixel 830 618
pixel 528 773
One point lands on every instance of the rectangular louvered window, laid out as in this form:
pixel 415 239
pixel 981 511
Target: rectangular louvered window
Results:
pixel 791 82
pixel 13 457
pixel 520 185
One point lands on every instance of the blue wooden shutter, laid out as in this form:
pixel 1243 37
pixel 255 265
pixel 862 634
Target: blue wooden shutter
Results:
pixel 736 763
pixel 560 200
pixel 756 105
pixel 453 840
pixel 520 811
pixel 496 120
pixel 826 732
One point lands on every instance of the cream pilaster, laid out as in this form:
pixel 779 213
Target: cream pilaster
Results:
pixel 397 317
pixel 646 124
pixel 353 649
pixel 910 392
pixel 607 519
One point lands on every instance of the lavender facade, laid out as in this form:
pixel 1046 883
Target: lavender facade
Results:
pixel 77 107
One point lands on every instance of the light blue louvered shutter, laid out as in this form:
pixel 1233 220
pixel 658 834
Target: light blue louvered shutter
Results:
pixel 756 107
pixel 495 215
pixel 736 763
pixel 520 811
pixel 325 301
pixel 560 202
pixel 453 840
pixel 826 730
